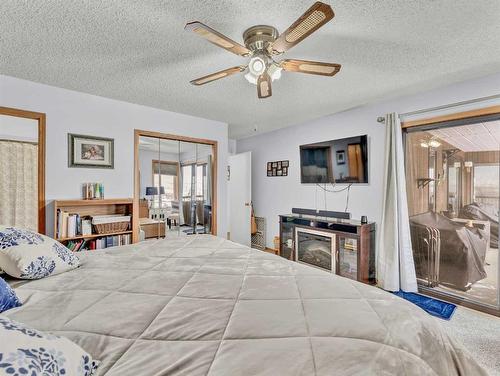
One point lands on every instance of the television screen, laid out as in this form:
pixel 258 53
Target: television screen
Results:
pixel 337 161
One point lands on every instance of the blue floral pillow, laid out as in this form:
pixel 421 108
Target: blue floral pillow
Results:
pixel 28 255
pixel 8 298
pixel 26 351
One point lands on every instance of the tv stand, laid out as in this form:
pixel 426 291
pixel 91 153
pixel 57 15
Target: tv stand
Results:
pixel 342 246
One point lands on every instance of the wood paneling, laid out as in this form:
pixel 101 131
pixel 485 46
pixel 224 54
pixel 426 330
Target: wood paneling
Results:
pixel 41 118
pixel 483 157
pixel 417 167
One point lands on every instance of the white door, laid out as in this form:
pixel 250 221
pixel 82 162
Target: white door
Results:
pixel 240 197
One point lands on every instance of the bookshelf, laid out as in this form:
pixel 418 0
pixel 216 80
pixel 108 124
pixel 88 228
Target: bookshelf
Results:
pixel 91 208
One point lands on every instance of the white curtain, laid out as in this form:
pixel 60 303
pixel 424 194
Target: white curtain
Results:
pixel 395 266
pixel 19 184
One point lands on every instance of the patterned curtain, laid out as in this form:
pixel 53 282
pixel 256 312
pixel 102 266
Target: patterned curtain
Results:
pixel 19 184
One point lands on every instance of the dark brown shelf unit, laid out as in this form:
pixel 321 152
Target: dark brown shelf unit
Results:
pixel 360 234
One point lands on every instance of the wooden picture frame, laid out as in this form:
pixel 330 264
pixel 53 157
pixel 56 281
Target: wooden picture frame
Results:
pixel 90 151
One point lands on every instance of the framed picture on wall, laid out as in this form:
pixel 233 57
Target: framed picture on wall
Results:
pixel 278 168
pixel 341 157
pixel 90 151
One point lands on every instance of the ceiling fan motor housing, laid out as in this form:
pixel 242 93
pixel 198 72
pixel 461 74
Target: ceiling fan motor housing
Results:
pixel 258 38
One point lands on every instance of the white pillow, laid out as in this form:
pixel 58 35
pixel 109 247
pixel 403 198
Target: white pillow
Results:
pixel 26 351
pixel 28 255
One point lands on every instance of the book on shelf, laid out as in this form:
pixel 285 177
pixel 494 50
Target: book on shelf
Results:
pixel 99 243
pixel 70 225
pixel 86 227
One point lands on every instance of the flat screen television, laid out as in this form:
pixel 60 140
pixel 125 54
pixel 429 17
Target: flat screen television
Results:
pixel 337 161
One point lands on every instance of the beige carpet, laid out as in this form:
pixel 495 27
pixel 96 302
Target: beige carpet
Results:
pixel 479 333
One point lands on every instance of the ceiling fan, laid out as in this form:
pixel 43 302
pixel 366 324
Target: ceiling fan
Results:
pixel 263 43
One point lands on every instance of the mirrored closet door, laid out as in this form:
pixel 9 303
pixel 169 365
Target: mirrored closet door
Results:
pixel 22 163
pixel 174 186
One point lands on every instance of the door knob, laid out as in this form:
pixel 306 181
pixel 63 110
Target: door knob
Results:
pixel 247 204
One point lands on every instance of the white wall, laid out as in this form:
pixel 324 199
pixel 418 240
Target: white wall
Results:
pixel 73 112
pixel 277 195
pixel 18 129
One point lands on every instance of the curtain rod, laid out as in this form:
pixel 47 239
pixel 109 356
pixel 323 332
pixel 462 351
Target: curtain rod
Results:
pixel 381 119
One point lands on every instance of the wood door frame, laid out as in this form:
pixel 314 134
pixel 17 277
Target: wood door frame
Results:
pixel 464 115
pixel 137 189
pixel 41 118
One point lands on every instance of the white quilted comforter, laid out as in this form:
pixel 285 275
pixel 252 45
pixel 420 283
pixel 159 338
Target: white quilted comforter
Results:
pixel 204 305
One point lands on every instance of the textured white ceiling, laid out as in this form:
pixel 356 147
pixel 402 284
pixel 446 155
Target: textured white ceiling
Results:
pixel 137 51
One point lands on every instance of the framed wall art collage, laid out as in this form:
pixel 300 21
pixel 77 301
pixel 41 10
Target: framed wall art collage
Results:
pixel 278 168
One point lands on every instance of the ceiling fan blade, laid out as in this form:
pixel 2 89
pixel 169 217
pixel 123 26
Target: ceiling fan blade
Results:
pixel 217 38
pixel 315 17
pixel 218 75
pixel 264 89
pixel 311 67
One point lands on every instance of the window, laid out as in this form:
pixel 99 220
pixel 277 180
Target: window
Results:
pixel 486 188
pixel 187 178
pixel 200 180
pixel 165 176
pixel 453 195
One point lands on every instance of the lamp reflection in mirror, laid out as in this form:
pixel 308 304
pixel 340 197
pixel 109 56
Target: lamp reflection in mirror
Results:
pixel 151 191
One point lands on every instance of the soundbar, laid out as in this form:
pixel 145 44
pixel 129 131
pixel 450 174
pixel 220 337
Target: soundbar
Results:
pixel 322 213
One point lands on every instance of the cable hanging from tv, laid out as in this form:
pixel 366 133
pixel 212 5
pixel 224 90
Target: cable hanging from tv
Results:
pixel 348 189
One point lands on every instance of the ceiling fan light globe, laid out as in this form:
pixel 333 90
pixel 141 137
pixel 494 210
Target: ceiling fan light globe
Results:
pixel 251 78
pixel 274 71
pixel 257 65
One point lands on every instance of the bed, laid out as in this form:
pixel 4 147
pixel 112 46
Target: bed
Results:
pixel 199 305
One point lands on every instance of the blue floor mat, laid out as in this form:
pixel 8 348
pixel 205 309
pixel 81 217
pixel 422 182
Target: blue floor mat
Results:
pixel 432 306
